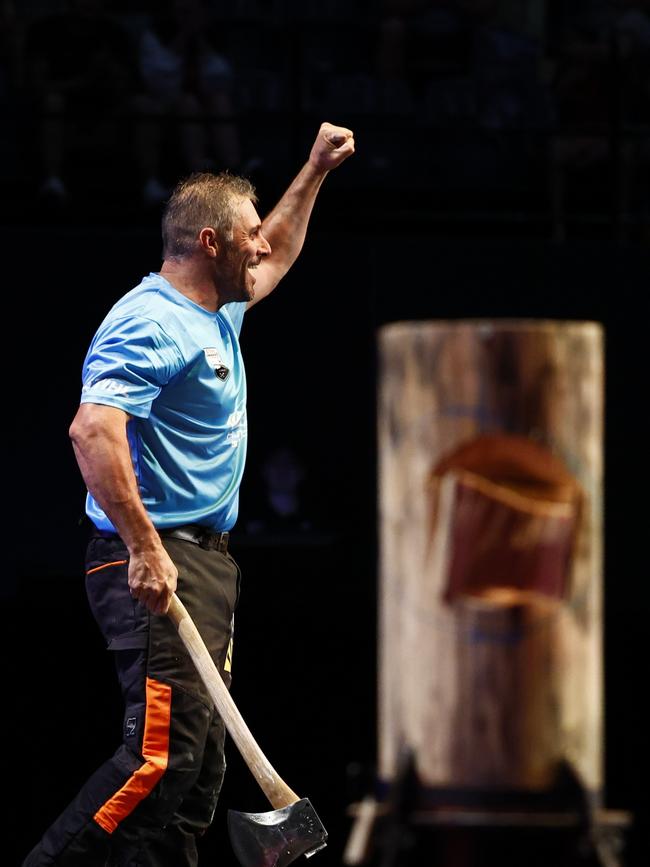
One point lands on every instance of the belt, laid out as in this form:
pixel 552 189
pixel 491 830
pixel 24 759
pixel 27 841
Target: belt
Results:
pixel 188 533
pixel 200 536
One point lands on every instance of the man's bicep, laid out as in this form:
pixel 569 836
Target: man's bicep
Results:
pixel 99 418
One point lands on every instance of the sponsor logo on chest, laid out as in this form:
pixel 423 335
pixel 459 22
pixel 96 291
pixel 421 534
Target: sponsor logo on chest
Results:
pixel 216 362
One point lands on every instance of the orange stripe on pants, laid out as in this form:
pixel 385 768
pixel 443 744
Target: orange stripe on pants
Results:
pixel 155 750
pixel 106 565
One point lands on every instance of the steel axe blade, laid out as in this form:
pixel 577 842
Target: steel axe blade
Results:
pixel 276 838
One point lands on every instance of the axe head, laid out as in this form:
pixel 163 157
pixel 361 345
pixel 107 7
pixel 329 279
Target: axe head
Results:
pixel 278 837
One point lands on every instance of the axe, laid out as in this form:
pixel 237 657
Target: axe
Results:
pixel 292 828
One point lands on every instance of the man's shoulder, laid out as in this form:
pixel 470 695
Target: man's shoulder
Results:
pixel 154 312
pixel 148 301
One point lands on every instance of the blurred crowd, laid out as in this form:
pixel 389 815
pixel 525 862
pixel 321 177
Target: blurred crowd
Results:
pixel 467 92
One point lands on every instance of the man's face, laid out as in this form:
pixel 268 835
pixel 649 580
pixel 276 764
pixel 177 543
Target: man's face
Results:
pixel 236 269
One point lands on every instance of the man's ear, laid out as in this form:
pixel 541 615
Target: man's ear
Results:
pixel 209 241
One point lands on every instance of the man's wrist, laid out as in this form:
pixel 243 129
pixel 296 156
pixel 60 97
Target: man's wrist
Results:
pixel 139 537
pixel 140 546
pixel 318 171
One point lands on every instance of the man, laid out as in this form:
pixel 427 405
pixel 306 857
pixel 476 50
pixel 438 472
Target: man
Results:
pixel 160 439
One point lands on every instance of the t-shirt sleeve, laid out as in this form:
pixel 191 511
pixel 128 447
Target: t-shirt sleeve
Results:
pixel 128 363
pixel 236 310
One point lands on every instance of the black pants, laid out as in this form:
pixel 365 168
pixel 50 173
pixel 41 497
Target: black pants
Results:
pixel 146 806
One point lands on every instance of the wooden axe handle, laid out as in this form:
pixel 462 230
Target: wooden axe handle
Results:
pixel 275 789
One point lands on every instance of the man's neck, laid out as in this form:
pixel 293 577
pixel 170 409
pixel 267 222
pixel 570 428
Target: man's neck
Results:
pixel 189 278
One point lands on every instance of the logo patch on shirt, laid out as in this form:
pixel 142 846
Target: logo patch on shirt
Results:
pixel 238 429
pixel 109 386
pixel 216 363
pixel 131 726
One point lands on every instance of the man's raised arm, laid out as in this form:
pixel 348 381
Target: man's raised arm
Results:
pixel 286 226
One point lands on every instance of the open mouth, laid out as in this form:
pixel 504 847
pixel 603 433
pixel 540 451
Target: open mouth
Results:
pixel 250 268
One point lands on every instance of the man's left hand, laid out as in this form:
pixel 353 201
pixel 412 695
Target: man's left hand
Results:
pixel 333 145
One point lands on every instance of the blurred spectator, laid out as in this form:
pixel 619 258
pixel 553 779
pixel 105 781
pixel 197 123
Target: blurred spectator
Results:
pixel 79 72
pixel 465 60
pixel 506 66
pixel 633 40
pixel 419 38
pixel 473 69
pixel 282 508
pixel 633 31
pixel 187 87
pixel 600 86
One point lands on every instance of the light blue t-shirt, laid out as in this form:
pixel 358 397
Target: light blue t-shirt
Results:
pixel 177 370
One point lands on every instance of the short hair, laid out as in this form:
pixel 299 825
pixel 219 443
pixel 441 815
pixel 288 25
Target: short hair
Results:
pixel 202 199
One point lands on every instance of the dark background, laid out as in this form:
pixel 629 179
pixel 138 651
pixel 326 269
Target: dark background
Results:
pixel 466 136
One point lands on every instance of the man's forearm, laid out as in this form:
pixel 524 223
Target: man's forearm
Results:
pixel 286 226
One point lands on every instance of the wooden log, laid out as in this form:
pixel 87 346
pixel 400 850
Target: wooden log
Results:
pixel 490 528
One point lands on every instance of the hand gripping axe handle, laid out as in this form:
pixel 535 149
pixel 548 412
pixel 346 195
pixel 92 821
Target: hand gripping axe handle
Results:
pixel 292 828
